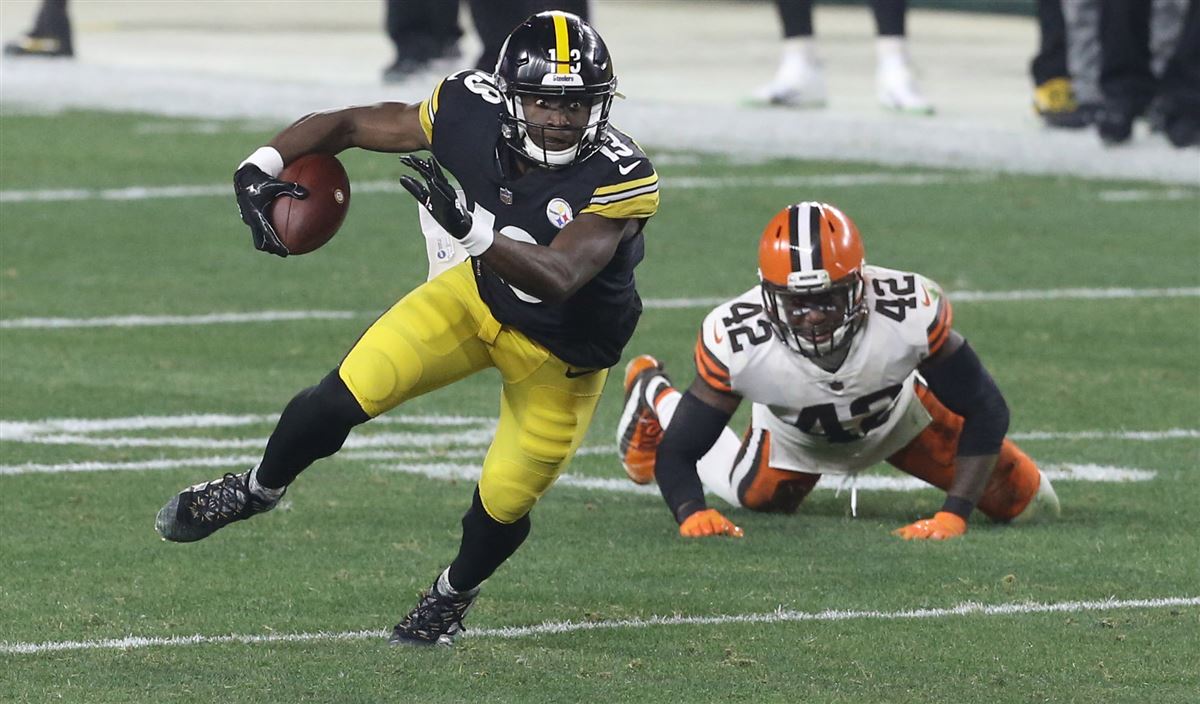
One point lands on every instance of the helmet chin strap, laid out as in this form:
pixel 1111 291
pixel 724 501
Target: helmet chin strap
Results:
pixel 561 157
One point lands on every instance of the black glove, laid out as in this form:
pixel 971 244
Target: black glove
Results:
pixel 437 195
pixel 255 191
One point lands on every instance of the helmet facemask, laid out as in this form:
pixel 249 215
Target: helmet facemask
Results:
pixel 814 316
pixel 518 131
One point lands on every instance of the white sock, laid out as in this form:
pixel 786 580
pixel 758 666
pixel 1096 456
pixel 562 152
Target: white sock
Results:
pixel 891 49
pixel 665 408
pixel 799 50
pixel 716 466
pixel 443 583
pixel 262 492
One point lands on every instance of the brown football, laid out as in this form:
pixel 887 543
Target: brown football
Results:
pixel 305 225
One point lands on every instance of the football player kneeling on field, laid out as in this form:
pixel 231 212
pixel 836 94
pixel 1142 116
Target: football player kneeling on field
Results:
pixel 846 365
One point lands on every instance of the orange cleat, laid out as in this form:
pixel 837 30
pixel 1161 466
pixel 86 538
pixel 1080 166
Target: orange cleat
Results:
pixel 639 432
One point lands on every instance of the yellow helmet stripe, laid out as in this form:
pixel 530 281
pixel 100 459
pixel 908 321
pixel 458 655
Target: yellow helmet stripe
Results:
pixel 562 45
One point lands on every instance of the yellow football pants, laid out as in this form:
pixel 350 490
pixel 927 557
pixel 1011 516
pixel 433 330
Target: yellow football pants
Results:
pixel 442 332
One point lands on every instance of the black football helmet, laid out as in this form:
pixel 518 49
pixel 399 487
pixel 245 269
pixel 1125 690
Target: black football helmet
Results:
pixel 554 54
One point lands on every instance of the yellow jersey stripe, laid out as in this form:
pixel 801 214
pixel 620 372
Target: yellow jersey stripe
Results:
pixel 627 185
pixel 642 206
pixel 562 45
pixel 426 111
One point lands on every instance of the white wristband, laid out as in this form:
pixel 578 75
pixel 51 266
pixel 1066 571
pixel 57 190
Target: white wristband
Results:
pixel 482 233
pixel 266 158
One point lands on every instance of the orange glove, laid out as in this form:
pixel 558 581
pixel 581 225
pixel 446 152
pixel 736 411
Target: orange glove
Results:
pixel 942 526
pixel 708 522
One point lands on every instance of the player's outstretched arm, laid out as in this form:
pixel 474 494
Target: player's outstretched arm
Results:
pixel 958 379
pixel 382 127
pixel 699 420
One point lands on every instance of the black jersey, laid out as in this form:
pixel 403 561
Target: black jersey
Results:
pixel 589 330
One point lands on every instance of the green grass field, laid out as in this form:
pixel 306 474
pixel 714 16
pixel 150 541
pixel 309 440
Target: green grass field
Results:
pixel 1103 382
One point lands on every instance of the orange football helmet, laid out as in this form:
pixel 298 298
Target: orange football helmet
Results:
pixel 810 264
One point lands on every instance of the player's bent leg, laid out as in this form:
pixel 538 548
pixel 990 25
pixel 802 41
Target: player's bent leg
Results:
pixel 544 416
pixel 761 487
pixel 543 420
pixel 313 425
pixel 1017 488
pixel 438 617
pixel 428 339
pixel 1015 481
pixel 639 430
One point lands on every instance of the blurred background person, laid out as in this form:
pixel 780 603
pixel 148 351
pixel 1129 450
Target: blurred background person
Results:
pixel 494 19
pixel 50 36
pixel 1128 79
pixel 800 79
pixel 1058 98
pixel 422 31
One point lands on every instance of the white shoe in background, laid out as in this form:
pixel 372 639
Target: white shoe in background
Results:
pixel 800 80
pixel 896 87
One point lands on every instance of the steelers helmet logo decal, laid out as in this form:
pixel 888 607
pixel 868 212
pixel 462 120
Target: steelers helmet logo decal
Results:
pixel 559 213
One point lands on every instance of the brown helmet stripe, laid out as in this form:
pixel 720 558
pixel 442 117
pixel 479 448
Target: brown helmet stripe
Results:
pixel 814 236
pixel 794 236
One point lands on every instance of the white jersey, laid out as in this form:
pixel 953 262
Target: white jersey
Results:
pixel 831 422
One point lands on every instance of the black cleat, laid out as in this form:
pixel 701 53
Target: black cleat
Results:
pixel 198 511
pixel 436 620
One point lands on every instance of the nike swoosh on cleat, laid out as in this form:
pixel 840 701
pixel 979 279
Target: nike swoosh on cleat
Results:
pixel 628 167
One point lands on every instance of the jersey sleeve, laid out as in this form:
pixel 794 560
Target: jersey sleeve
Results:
pixel 941 314
pixel 455 92
pixel 630 188
pixel 712 353
pixel 428 110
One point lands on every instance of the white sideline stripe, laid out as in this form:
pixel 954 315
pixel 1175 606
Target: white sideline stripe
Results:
pixel 58 195
pixel 137 321
pixel 478 438
pixel 418 463
pixel 1143 435
pixel 130 321
pixel 780 615
pixel 1144 194
pixel 16 429
pixel 55 195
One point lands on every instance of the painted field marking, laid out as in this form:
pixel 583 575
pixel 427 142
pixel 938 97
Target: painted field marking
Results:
pixel 128 193
pixel 453 454
pixel 547 628
pixel 834 180
pixel 269 316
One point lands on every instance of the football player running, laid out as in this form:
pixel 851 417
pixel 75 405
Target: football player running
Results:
pixel 846 365
pixel 553 204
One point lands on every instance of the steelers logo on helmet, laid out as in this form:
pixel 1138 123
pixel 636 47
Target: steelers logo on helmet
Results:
pixel 556 65
pixel 810 262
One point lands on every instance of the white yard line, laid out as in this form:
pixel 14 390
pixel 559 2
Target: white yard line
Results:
pixel 780 615
pixel 834 180
pixel 893 178
pixel 135 320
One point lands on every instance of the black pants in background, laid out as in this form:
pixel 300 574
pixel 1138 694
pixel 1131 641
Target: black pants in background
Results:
pixel 496 19
pixel 1126 78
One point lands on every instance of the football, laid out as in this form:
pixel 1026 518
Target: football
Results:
pixel 305 225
